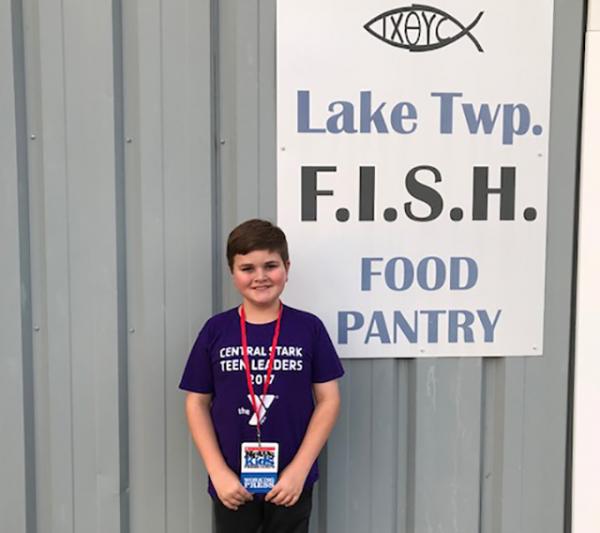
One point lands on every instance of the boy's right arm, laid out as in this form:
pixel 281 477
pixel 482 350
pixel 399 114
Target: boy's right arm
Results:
pixel 226 483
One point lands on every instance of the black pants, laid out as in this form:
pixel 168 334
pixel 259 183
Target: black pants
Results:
pixel 273 518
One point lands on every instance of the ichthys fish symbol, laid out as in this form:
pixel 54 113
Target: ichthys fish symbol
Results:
pixel 420 28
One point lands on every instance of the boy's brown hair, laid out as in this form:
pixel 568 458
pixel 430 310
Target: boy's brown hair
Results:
pixel 256 234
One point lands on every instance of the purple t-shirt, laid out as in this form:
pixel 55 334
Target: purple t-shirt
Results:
pixel 305 355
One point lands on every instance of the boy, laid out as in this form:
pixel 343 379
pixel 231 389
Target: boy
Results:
pixel 252 375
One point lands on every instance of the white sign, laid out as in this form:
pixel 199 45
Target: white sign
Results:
pixel 412 172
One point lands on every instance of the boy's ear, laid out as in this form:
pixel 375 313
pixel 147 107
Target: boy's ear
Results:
pixel 287 269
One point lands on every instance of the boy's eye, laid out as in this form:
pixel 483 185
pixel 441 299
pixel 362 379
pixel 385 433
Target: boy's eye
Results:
pixel 268 266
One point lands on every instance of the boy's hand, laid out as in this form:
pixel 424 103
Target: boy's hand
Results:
pixel 288 488
pixel 229 489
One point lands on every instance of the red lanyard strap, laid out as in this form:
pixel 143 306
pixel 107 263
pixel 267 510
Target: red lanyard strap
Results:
pixel 247 364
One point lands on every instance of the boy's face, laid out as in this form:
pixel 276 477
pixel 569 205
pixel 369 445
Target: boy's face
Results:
pixel 260 276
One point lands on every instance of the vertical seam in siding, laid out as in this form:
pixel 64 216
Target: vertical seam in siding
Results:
pixel 411 446
pixel 164 255
pixel 482 440
pixel 347 454
pixel 395 443
pixel 69 355
pixel 121 266
pixel 371 364
pixel 68 246
pixel 568 514
pixel 216 193
pixel 20 116
pixel 522 451
pixel 261 181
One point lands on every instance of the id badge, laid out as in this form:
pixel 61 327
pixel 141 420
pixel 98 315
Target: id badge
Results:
pixel 259 466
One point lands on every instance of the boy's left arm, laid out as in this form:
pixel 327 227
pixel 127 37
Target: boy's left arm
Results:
pixel 288 488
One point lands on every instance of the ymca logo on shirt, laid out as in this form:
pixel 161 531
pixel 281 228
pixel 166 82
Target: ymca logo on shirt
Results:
pixel 267 401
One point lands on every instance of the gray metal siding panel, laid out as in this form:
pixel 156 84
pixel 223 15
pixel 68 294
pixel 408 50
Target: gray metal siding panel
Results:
pixel 511 468
pixel 447 421
pixel 71 174
pixel 169 239
pixel 90 167
pixel 54 423
pixel 145 255
pixel 238 121
pixel 188 236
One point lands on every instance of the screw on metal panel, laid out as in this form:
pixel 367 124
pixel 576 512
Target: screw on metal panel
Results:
pixel 535 348
pixel 32 136
pixel 36 328
pixel 222 141
pixel 129 140
pixel 422 350
pixel 131 330
pixel 283 148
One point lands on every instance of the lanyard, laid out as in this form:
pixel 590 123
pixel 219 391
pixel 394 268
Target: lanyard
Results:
pixel 255 406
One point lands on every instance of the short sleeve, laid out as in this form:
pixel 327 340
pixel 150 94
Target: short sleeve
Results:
pixel 326 365
pixel 197 376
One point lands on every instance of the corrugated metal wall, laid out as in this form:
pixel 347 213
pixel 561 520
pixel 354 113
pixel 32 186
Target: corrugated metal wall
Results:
pixel 135 134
